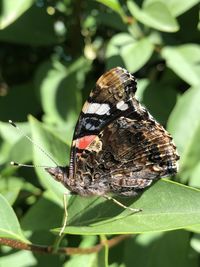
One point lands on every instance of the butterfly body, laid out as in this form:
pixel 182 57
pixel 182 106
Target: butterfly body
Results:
pixel 118 147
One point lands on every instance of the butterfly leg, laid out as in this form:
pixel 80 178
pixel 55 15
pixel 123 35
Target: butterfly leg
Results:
pixel 120 204
pixel 65 212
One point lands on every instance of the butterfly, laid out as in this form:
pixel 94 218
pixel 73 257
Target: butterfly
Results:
pixel 118 147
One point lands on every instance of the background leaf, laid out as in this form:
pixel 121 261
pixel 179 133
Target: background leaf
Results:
pixel 184 124
pixel 135 55
pixel 10 11
pixel 151 16
pixel 165 206
pixel 55 147
pixel 9 225
pixel 184 61
pixel 175 6
pixel 52 53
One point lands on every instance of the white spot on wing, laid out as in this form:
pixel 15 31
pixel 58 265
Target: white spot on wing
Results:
pixel 121 105
pixel 88 126
pixel 96 108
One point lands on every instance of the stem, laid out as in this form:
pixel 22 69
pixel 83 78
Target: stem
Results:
pixel 62 250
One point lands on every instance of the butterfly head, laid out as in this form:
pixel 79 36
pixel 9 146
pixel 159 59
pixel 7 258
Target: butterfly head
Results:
pixel 59 173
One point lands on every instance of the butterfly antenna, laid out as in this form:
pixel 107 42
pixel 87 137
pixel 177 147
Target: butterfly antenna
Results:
pixel 35 144
pixel 13 163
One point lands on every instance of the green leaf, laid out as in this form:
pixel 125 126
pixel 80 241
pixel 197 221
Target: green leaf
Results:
pixel 194 228
pixel 152 16
pixel 165 206
pixel 12 10
pixel 190 159
pixel 22 145
pixel 59 88
pixel 124 50
pixel 46 207
pixel 10 187
pixel 195 242
pixel 194 176
pixel 154 247
pixel 117 42
pixel 176 7
pixel 114 5
pixel 136 55
pixel 184 61
pixel 23 258
pixel 184 124
pixel 13 143
pixel 22 103
pixel 113 51
pixel 9 225
pixel 58 150
pixel 10 134
pixel 111 20
pixel 40 31
pixel 159 98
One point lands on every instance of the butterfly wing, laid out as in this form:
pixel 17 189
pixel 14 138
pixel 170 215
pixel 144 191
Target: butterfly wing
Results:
pixel 118 147
pixel 105 103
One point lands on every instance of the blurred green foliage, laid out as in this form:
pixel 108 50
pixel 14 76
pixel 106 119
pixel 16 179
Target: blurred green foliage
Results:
pixel 51 54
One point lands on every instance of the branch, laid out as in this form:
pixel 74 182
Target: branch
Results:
pixel 63 250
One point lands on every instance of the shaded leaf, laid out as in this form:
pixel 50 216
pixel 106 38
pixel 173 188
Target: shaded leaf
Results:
pixel 195 242
pixel 161 249
pixel 40 31
pixel 46 207
pixel 160 99
pixel 19 97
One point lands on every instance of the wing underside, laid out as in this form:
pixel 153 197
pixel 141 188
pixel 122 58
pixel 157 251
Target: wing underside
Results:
pixel 118 147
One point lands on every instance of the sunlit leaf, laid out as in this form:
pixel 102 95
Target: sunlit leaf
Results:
pixel 184 124
pixel 12 10
pixel 176 7
pixel 9 225
pixel 152 16
pixel 184 61
pixel 165 206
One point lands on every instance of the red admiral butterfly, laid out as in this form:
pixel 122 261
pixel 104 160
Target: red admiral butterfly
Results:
pixel 117 147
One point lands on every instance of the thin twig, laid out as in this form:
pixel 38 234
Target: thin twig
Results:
pixel 68 250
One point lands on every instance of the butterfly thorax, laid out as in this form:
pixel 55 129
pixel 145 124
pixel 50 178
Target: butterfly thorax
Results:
pixel 84 184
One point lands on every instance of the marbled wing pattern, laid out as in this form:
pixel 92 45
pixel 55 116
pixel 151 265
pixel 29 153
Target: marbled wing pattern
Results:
pixel 118 147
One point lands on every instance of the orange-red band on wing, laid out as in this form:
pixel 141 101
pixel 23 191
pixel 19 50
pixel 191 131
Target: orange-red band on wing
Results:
pixel 85 141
